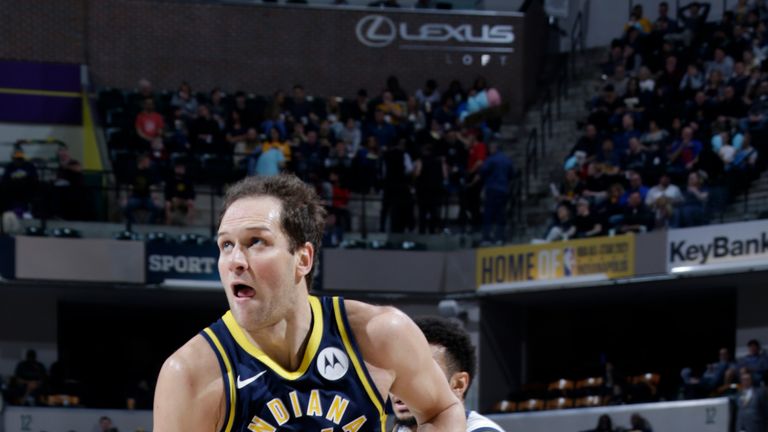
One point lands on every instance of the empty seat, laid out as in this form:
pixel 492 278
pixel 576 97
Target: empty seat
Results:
pixel 530 405
pixel 504 406
pixel 559 403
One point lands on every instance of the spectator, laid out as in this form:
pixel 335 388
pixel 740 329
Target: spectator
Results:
pixel 683 154
pixel 628 130
pixel 743 167
pixel 693 17
pixel 105 425
pixel 276 142
pixel 596 185
pixel 30 376
pixel 351 136
pixel 469 208
pixel 445 115
pixel 692 211
pixel 269 162
pixel 140 191
pixel 184 103
pixel 752 413
pixel 716 375
pixel 636 157
pixel 638 21
pixel 333 235
pixel 359 110
pixel 639 424
pixel 721 62
pixel 430 172
pixel 604 424
pixel 393 86
pixel 609 157
pixel 393 111
pixel 19 185
pixel 585 149
pixel 149 124
pixel 70 196
pixel 243 140
pixel 247 115
pixel 731 106
pixel 612 210
pixel 300 108
pixel 692 81
pixel 663 200
pixel 396 204
pixel 637 218
pixel 384 132
pixel 570 189
pixel 428 97
pixel 179 197
pixel 587 225
pixel 204 133
pixel 755 362
pixel 562 228
pixel 496 174
pixel 218 108
pixel 635 185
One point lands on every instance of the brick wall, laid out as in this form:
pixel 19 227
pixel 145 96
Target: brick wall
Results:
pixel 252 47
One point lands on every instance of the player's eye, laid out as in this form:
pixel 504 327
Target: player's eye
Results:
pixel 226 244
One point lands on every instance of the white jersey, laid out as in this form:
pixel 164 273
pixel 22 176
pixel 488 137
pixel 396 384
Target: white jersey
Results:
pixel 475 423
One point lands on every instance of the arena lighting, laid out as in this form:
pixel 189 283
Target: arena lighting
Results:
pixel 726 267
pixel 543 285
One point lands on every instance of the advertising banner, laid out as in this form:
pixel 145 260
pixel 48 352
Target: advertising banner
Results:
pixel 31 419
pixel 179 263
pixel 717 246
pixel 610 257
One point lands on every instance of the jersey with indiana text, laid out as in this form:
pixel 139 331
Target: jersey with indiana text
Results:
pixel 331 391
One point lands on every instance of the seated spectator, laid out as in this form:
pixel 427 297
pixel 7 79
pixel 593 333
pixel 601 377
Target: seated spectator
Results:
pixel 740 79
pixel 700 109
pixel 639 424
pixel 752 414
pixel 637 218
pixel 149 124
pixel 19 185
pixel 106 425
pixel 562 228
pixel 351 136
pixel 333 235
pixel 604 107
pixel 241 139
pixel 604 424
pixel 359 110
pixel 267 163
pixel 587 225
pixel 755 362
pixel 628 131
pixel 300 108
pixel 742 169
pixel 585 149
pixel 385 133
pixel 276 142
pixel 655 138
pixel 721 62
pixel 731 106
pixel 596 184
pixel 636 158
pixel 609 157
pixel 140 191
pixel 619 79
pixel 428 97
pixel 204 133
pixel 393 111
pixel 635 101
pixel 179 197
pixel 683 153
pixel 692 211
pixel 184 103
pixel 30 376
pixel 445 114
pixel 715 85
pixel 663 200
pixel 692 81
pixel 635 185
pixel 716 375
pixel 570 189
pixel 218 108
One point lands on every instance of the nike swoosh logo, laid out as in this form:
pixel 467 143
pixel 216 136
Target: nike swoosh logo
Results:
pixel 243 383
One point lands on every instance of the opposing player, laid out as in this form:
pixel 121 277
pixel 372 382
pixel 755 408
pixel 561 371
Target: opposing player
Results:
pixel 281 359
pixel 453 351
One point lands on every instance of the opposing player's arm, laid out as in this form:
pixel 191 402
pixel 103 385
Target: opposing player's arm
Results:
pixel 392 342
pixel 190 392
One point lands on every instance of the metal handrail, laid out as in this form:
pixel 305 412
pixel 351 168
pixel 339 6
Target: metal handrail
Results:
pixel 531 159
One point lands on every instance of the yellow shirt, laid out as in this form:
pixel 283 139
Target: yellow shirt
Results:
pixel 282 146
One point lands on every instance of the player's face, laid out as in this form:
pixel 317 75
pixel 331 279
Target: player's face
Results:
pixel 259 274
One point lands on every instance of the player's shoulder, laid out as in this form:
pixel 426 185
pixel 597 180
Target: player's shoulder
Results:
pixel 194 363
pixel 375 320
pixel 480 423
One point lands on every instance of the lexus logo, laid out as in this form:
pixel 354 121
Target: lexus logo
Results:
pixel 376 31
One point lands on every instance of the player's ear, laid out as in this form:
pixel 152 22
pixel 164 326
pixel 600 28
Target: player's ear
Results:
pixel 459 384
pixel 305 255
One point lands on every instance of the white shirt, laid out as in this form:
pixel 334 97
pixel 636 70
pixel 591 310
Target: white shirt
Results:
pixel 475 423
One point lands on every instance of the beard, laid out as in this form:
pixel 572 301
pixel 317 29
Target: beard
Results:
pixel 408 422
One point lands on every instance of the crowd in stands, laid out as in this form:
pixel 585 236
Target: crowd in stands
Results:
pixel 679 125
pixel 416 151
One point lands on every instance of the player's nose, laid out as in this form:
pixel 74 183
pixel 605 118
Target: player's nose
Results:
pixel 237 260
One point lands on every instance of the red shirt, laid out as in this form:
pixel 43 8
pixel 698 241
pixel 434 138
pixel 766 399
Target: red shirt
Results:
pixel 340 197
pixel 477 153
pixel 149 124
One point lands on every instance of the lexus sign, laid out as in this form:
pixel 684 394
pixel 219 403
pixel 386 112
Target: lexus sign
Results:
pixel 380 31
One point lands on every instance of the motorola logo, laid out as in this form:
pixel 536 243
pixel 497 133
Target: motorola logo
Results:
pixel 376 31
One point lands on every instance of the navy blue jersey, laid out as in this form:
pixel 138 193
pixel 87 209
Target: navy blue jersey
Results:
pixel 331 391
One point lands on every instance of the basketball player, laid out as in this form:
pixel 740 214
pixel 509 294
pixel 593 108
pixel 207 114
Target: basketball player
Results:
pixel 283 360
pixel 454 352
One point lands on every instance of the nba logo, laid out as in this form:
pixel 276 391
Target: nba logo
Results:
pixel 569 262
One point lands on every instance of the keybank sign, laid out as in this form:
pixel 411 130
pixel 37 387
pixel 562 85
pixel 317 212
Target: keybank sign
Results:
pixel 380 31
pixel 737 243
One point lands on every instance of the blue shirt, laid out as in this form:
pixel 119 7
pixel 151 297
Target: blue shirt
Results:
pixel 269 162
pixel 497 172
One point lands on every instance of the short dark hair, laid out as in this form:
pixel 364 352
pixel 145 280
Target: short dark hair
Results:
pixel 754 342
pixel 302 217
pixel 460 353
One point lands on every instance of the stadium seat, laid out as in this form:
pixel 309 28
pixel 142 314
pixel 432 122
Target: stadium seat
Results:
pixel 504 406
pixel 589 401
pixel 559 403
pixel 592 386
pixel 531 405
pixel 561 388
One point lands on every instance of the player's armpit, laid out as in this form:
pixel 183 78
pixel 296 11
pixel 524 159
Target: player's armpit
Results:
pixel 189 395
pixel 418 381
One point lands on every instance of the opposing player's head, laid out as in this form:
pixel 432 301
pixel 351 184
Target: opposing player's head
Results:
pixel 453 351
pixel 270 231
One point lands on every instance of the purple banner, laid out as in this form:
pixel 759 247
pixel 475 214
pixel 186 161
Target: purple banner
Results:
pixel 40 76
pixel 25 108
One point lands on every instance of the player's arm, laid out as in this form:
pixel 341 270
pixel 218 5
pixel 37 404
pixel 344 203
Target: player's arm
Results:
pixel 392 342
pixel 190 392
